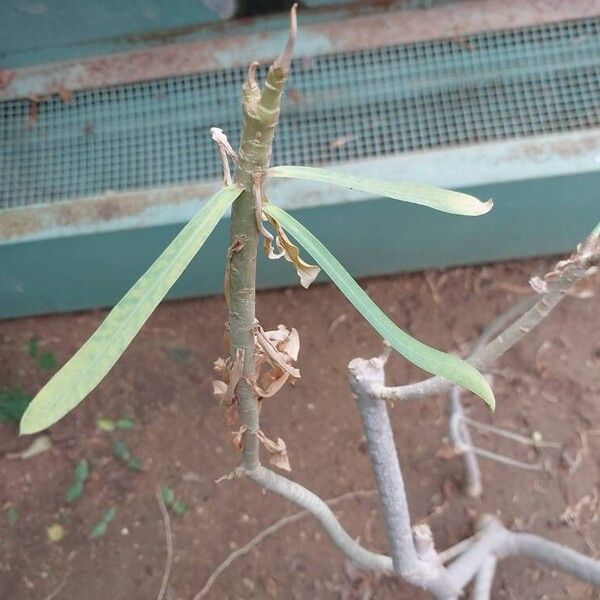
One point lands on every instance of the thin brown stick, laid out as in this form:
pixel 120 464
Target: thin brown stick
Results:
pixel 169 541
pixel 265 533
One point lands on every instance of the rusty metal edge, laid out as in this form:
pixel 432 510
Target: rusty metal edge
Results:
pixel 133 208
pixel 352 33
pixel 512 160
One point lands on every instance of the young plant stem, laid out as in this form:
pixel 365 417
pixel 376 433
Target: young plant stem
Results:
pixel 261 114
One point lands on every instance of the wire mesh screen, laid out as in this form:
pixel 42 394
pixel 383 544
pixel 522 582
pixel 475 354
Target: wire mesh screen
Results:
pixel 339 107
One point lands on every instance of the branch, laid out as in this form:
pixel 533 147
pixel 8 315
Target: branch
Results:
pixel 515 323
pixel 460 437
pixel 315 506
pixel 265 533
pixel 482 586
pixel 417 564
pixel 496 540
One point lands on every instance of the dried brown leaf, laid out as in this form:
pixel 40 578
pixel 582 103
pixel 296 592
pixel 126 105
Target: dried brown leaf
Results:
pixel 276 356
pixel 279 455
pixel 291 253
pixel 236 437
pixel 446 452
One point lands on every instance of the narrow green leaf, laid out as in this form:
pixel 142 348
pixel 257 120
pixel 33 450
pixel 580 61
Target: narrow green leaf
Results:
pixel 96 357
pixel 124 423
pixel 11 514
pixel 121 451
pixel 168 495
pixel 416 193
pixel 82 470
pixel 135 464
pixel 180 507
pixel 109 515
pixel 74 492
pixel 429 359
pixel 101 526
pixel 99 529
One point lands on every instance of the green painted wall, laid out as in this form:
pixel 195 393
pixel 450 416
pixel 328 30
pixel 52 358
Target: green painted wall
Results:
pixel 532 217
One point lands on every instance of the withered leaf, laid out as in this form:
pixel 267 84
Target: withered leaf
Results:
pixel 281 359
pixel 275 352
pixel 279 455
pixel 291 253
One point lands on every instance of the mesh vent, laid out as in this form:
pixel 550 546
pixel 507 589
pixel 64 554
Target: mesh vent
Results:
pixel 339 107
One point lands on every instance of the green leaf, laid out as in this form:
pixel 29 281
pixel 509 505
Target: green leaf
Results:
pixel 47 361
pixel 101 526
pixel 99 529
pixel 125 423
pixel 121 451
pixel 416 193
pixel 74 492
pixel 96 357
pixel 109 515
pixel 135 464
pixel 179 507
pixel 82 470
pixel 13 404
pixel 168 495
pixel 104 424
pixel 429 359
pixel 11 514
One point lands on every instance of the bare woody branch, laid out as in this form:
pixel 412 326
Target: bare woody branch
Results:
pixel 515 323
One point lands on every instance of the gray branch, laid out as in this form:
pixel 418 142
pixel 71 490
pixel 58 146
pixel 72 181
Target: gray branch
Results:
pixel 460 436
pixel 484 579
pixel 414 564
pixel 498 541
pixel 310 502
pixel 515 323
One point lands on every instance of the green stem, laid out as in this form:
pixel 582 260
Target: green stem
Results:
pixel 261 114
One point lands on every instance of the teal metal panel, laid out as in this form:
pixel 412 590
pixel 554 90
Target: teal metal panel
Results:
pixel 35 28
pixel 531 217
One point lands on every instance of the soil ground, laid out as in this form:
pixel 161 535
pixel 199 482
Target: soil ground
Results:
pixel 549 383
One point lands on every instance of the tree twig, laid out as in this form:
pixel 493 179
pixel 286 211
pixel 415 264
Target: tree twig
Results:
pixel 484 579
pixel 265 533
pixel 324 515
pixel 460 437
pixel 530 312
pixel 456 550
pixel 169 543
pixel 510 435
